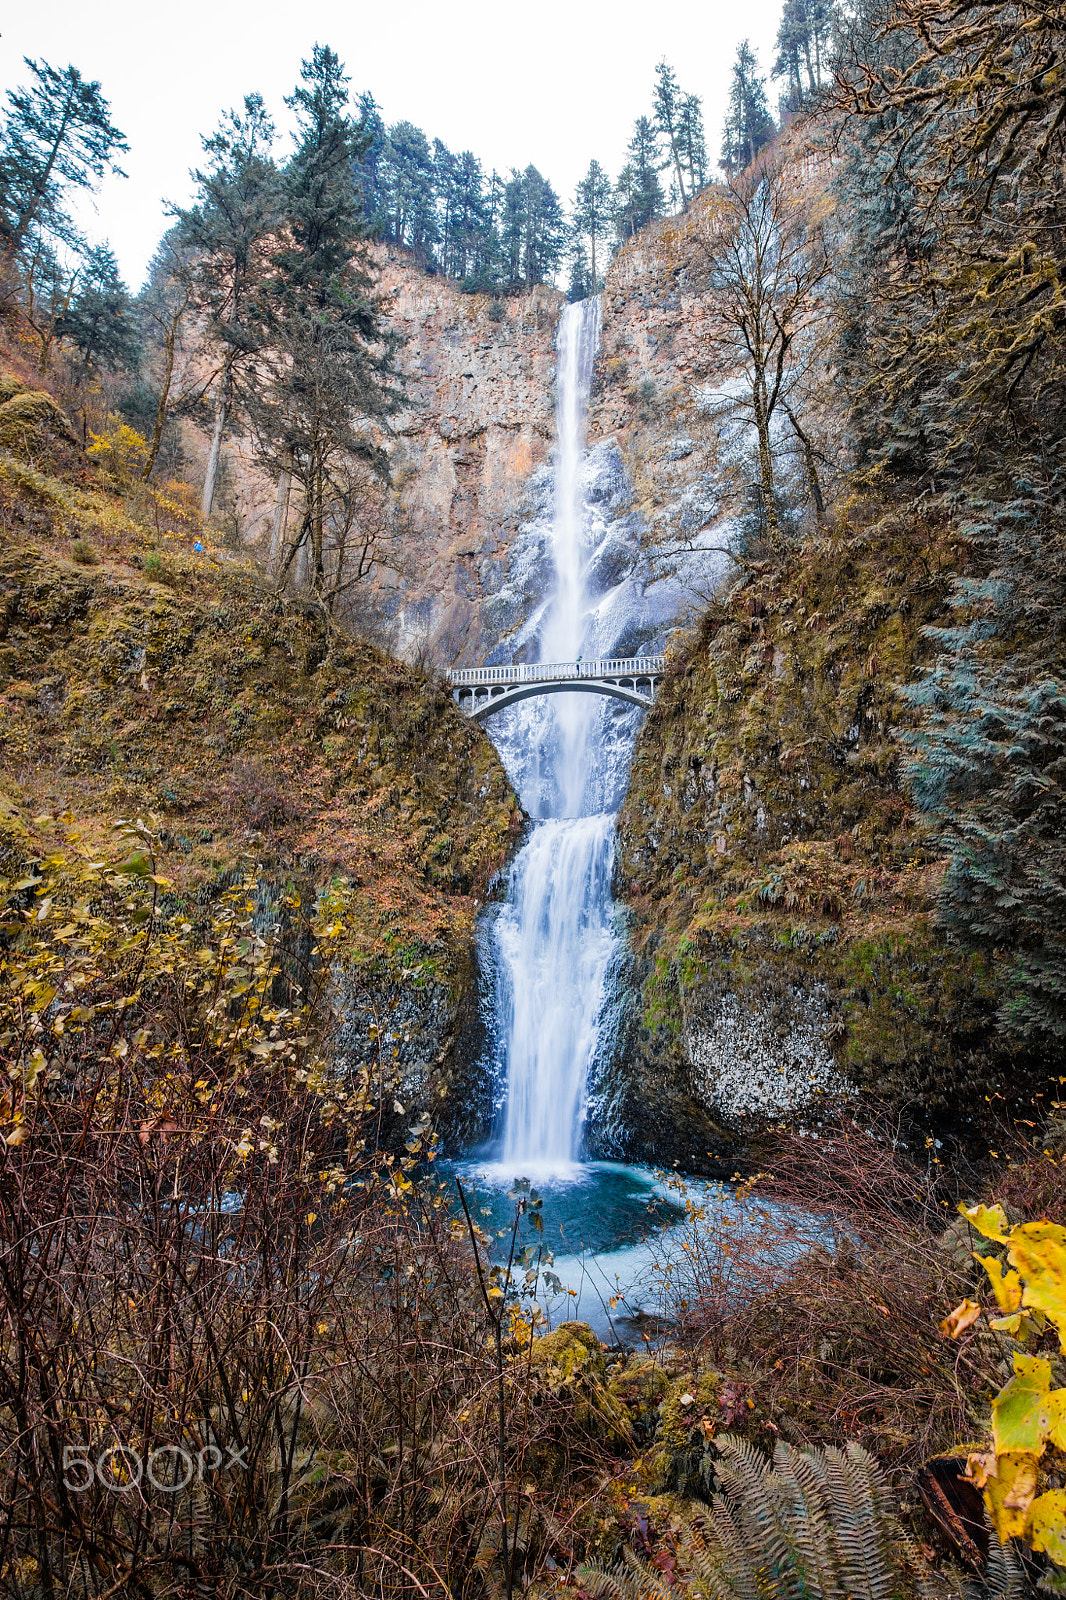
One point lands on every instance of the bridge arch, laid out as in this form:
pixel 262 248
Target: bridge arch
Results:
pixel 481 691
pixel 489 702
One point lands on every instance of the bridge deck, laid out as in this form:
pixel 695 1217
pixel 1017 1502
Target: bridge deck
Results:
pixel 558 671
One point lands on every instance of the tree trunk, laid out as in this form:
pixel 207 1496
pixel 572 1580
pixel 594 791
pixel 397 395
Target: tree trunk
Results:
pixel 318 574
pixel 810 463
pixel 677 169
pixel 281 512
pixel 211 479
pixel 807 58
pixel 169 342
pixel 766 463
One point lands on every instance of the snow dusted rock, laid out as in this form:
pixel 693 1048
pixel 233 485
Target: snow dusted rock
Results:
pixel 748 1063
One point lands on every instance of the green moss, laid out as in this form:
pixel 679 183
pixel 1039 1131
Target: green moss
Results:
pixel 681 1458
pixel 765 840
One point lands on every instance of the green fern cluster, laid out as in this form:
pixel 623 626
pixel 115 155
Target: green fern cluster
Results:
pixel 810 1525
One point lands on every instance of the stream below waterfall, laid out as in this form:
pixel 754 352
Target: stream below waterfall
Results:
pixel 547 951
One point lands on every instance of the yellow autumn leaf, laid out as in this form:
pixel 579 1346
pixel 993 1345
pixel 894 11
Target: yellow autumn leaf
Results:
pixel 1047 1525
pixel 1020 1410
pixel 1009 1493
pixel 956 1322
pixel 1038 1250
pixel 1006 1286
pixel 990 1221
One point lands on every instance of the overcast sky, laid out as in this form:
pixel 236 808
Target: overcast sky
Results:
pixel 554 83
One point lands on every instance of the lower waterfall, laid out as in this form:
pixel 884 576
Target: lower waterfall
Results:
pixel 553 946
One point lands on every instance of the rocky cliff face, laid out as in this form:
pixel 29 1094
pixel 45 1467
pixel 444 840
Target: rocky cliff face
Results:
pixel 469 559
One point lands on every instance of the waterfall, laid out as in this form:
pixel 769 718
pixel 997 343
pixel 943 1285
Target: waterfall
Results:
pixel 553 939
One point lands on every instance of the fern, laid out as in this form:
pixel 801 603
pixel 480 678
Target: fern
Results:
pixel 811 1525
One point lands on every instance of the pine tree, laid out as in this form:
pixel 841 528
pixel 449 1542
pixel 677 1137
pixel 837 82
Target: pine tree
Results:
pixel 748 124
pixel 804 45
pixel 99 321
pixel 693 142
pixel 225 237
pixel 639 195
pixel 369 165
pixel 533 230
pixel 324 360
pixel 57 136
pixel 592 215
pixel 668 110
pixel 411 187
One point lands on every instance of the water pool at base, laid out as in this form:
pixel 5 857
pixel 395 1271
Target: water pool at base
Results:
pixel 612 1229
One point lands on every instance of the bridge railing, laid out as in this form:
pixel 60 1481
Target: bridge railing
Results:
pixel 558 671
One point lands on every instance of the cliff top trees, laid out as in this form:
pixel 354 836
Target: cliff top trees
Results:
pixel 748 124
pixel 668 101
pixel 638 193
pixel 804 45
pixel 532 229
pixel 57 136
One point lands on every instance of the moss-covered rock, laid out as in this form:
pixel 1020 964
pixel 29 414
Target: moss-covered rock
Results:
pixel 570 1361
pixel 681 1457
pixel 781 891
pixel 260 735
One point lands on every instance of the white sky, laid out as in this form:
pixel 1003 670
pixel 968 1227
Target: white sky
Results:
pixel 554 83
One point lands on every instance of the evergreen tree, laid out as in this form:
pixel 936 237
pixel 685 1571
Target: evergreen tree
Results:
pixel 99 321
pixel 446 190
pixel 369 164
pixel 804 45
pixel 693 142
pixel 533 230
pixel 411 188
pixel 225 238
pixel 324 359
pixel 581 284
pixel 592 215
pixel 57 136
pixel 669 111
pixel 639 196
pixel 748 124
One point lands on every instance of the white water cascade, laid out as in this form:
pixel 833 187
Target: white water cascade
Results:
pixel 553 939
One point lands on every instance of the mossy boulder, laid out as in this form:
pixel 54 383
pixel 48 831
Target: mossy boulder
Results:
pixel 31 417
pixel 570 1362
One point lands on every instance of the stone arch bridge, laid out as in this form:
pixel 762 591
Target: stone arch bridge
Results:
pixel 481 691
